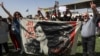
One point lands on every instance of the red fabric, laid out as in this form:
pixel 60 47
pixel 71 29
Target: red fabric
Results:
pixel 14 40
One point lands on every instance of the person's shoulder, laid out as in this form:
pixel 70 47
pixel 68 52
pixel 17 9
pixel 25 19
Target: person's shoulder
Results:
pixel 98 19
pixel 4 20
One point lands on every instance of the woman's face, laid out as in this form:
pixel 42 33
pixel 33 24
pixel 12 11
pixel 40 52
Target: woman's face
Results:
pixel 17 15
pixel 39 32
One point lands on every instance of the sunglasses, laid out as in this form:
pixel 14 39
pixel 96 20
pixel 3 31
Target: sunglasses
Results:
pixel 85 16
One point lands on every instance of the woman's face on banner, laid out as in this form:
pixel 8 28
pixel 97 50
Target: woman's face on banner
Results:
pixel 39 32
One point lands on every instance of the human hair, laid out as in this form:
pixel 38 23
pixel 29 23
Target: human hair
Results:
pixel 54 29
pixel 38 11
pixel 20 15
pixel 0 16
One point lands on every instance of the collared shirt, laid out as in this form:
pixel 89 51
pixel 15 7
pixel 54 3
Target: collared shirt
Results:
pixel 88 28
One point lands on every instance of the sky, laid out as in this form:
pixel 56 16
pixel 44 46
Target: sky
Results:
pixel 31 5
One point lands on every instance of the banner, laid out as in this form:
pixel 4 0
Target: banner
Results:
pixel 48 37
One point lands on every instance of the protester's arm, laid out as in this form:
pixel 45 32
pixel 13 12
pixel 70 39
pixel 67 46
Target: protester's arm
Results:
pixel 95 12
pixel 70 13
pixel 6 10
pixel 81 26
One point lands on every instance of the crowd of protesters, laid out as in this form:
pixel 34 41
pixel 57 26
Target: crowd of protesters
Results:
pixel 57 16
pixel 14 28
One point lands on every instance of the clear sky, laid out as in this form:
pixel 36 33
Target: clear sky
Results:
pixel 32 5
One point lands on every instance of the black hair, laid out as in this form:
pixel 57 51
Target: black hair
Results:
pixel 55 28
pixel 18 14
pixel 0 17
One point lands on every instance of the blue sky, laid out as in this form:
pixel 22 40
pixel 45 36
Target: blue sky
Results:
pixel 32 5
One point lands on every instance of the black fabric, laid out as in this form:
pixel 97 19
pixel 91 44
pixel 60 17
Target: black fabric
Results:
pixel 88 45
pixel 97 21
pixel 5 45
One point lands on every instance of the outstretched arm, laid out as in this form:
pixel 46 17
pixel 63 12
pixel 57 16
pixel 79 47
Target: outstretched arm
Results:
pixel 93 7
pixel 6 10
pixel 70 13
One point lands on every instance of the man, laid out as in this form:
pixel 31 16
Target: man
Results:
pixel 3 36
pixel 88 32
pixel 98 27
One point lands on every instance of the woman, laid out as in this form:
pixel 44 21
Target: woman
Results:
pixel 15 28
pixel 41 37
pixel 38 44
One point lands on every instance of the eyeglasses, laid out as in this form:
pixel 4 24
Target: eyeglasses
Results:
pixel 84 16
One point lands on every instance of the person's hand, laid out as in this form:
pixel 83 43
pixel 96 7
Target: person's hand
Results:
pixel 93 6
pixel 1 4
